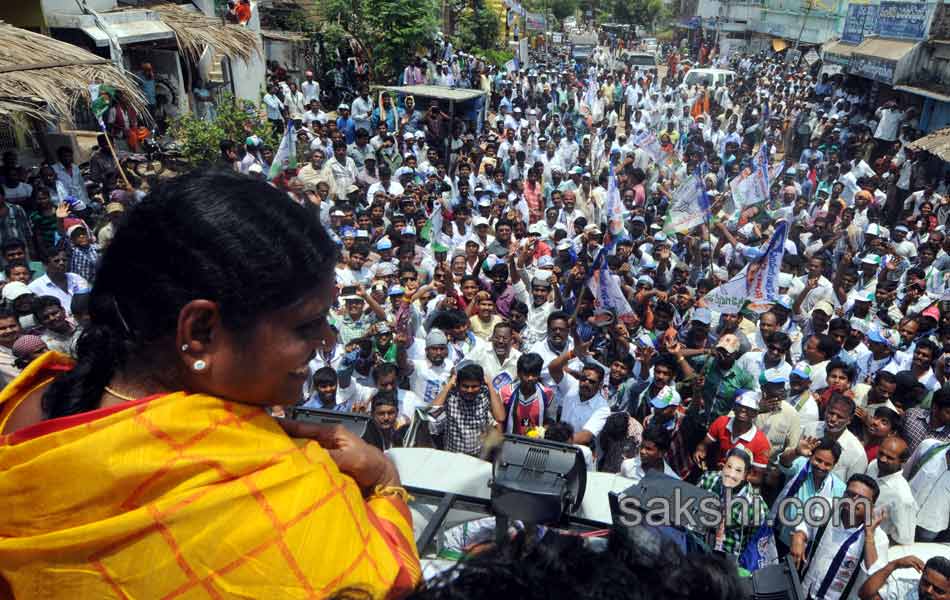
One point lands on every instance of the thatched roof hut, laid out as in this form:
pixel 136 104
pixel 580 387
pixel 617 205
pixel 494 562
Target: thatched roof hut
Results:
pixel 195 31
pixel 44 78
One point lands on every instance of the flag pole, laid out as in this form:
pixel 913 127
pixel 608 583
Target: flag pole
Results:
pixel 118 165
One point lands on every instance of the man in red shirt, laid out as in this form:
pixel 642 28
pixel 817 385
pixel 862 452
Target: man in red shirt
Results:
pixel 737 431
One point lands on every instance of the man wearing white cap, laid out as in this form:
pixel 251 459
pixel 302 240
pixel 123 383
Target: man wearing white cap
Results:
pixel 737 431
pixel 428 375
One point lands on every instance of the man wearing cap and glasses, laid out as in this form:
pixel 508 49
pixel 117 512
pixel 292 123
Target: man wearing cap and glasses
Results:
pixel 723 376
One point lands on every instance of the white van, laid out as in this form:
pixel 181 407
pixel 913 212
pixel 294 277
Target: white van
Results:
pixel 711 78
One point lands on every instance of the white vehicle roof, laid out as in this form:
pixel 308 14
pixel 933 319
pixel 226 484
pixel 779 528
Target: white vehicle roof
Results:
pixel 713 71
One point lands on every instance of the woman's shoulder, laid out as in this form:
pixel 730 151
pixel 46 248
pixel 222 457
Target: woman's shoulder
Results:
pixel 21 401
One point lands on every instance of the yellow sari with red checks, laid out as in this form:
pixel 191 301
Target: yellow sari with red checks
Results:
pixel 186 496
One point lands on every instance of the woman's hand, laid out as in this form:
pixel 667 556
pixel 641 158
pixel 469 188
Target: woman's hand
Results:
pixel 366 464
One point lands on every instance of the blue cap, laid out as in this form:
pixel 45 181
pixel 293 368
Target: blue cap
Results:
pixel 384 244
pixel 802 370
pixel 773 376
pixel 703 315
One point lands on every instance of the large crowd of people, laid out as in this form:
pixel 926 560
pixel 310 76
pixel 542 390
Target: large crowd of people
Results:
pixel 474 250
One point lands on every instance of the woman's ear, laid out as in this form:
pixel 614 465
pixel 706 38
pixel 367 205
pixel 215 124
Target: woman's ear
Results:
pixel 198 333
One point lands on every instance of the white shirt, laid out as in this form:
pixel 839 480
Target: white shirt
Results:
pixel 890 119
pixel 823 291
pixel 75 284
pixel 361 108
pixel 589 415
pixel 898 499
pixel 311 90
pixel 931 487
pixel 507 370
pixel 831 542
pixel 853 457
pixel 427 380
pixel 633 469
pixel 274 106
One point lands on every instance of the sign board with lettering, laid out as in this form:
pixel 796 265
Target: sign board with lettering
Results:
pixel 861 21
pixel 535 22
pixel 872 67
pixel 903 20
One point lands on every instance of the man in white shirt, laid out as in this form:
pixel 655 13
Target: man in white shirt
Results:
pixel 58 283
pixel 361 108
pixel 841 557
pixel 580 398
pixel 328 394
pixel 275 108
pixel 838 415
pixel 500 359
pixel 310 88
pixel 897 499
pixel 909 578
pixel 10 330
pixel 928 473
pixel 654 446
pixel 430 374
pixel 343 169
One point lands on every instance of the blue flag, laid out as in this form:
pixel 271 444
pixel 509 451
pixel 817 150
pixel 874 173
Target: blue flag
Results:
pixel 761 551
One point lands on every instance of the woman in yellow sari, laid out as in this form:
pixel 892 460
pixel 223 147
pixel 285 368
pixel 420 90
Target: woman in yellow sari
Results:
pixel 149 468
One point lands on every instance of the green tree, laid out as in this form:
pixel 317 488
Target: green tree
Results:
pixel 201 140
pixel 562 9
pixel 478 28
pixel 397 28
pixel 635 12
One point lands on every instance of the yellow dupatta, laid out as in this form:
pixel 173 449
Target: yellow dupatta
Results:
pixel 186 496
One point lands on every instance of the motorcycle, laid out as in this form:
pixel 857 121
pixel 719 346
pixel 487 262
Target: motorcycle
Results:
pixel 155 158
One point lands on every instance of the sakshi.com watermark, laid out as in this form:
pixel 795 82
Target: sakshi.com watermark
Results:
pixel 709 512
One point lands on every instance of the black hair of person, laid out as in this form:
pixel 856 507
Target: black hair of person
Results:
pixel 780 338
pixel 667 360
pixel 325 376
pixel 383 369
pixel 885 376
pixel 559 432
pixel 868 481
pixel 12 264
pixel 659 435
pixel 637 564
pixel 385 398
pixel 941 398
pixel 530 363
pixel 826 345
pixel 79 305
pixel 41 303
pixel 849 371
pixel 839 324
pixel 448 319
pixel 611 441
pixel 831 446
pixel 935 350
pixel 471 372
pixel 12 244
pixel 940 564
pixel 219 236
